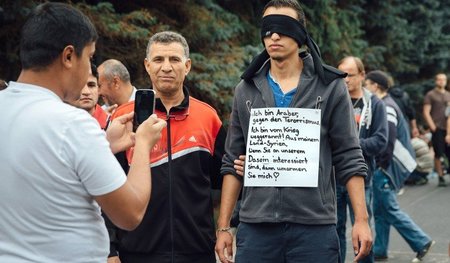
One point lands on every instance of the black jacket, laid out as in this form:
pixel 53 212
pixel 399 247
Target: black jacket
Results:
pixel 178 225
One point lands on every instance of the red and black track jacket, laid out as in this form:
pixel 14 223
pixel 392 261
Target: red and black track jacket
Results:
pixel 178 225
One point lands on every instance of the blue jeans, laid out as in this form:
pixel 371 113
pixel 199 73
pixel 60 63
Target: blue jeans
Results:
pixel 286 243
pixel 343 201
pixel 387 212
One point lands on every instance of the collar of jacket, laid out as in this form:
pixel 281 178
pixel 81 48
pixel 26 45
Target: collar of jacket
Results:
pixel 181 109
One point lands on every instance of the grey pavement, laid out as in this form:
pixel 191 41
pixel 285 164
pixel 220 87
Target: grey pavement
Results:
pixel 429 206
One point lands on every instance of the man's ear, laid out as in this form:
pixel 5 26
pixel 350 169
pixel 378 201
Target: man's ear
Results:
pixel 116 82
pixel 146 65
pixel 188 64
pixel 67 56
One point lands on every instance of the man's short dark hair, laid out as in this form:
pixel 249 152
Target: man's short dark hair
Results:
pixel 49 29
pixel 94 70
pixel 168 37
pixel 290 4
pixel 114 67
pixel 3 84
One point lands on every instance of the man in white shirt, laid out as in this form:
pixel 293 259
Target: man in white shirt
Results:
pixel 56 166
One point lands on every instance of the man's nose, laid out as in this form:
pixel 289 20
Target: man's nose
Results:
pixel 166 66
pixel 85 91
pixel 275 36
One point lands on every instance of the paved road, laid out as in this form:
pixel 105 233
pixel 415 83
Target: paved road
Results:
pixel 429 206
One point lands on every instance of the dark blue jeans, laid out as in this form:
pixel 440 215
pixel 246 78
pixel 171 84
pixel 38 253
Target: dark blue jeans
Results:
pixel 387 212
pixel 286 243
pixel 342 202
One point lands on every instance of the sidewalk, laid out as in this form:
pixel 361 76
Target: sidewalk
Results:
pixel 429 206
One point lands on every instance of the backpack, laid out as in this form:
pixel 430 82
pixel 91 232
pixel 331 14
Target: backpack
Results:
pixel 404 158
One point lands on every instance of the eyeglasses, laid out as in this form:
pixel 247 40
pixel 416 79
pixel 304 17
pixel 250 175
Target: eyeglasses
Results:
pixel 351 75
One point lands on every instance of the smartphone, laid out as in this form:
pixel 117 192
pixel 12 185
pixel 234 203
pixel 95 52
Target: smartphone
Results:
pixel 144 106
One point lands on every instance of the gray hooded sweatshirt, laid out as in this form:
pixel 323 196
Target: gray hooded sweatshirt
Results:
pixel 340 153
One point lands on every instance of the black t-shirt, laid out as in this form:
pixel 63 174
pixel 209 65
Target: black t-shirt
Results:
pixel 358 105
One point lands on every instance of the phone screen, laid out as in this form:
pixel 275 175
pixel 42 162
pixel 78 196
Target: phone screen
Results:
pixel 144 106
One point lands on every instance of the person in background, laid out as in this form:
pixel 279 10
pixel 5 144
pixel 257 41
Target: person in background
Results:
pixel 404 102
pixel 3 84
pixel 57 167
pixel 394 165
pixel 435 108
pixel 89 98
pixel 114 85
pixel 371 120
pixel 274 225
pixel 425 162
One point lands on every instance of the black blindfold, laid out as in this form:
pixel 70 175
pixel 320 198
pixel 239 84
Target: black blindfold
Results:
pixel 288 26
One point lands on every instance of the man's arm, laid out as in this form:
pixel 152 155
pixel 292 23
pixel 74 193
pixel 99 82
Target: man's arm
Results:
pixel 126 205
pixel 447 136
pixel 414 130
pixel 427 117
pixel 230 192
pixel 361 234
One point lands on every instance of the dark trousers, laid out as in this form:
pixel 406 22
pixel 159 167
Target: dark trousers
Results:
pixel 286 243
pixel 166 258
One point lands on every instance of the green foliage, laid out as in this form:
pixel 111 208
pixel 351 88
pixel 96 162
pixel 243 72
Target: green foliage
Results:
pixel 407 38
pixel 336 28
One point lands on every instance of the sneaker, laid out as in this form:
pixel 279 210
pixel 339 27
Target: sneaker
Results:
pixel 442 181
pixel 421 181
pixel 422 253
pixel 381 258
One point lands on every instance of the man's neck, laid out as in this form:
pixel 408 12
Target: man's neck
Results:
pixel 381 94
pixel 172 100
pixel 287 72
pixel 440 89
pixel 126 95
pixel 356 94
pixel 287 68
pixel 92 110
pixel 45 79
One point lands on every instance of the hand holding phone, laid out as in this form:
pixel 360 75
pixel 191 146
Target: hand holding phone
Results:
pixel 144 106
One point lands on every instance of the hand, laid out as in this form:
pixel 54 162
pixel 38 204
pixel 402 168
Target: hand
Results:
pixel 361 239
pixel 415 132
pixel 115 259
pixel 239 165
pixel 224 247
pixel 433 128
pixel 119 133
pixel 150 130
pixel 110 109
pixel 447 138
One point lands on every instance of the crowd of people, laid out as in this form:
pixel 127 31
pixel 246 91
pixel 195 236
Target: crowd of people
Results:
pixel 92 190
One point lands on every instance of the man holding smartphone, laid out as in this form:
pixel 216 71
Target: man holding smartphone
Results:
pixel 178 226
pixel 57 167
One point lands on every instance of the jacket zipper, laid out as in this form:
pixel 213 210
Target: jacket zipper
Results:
pixel 169 161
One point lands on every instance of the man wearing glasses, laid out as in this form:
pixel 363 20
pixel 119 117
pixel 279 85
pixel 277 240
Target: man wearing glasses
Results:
pixel 371 120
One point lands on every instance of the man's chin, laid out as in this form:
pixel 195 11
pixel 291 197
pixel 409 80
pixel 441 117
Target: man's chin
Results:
pixel 86 106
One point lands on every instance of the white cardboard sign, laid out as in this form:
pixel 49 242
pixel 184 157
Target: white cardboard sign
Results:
pixel 283 147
